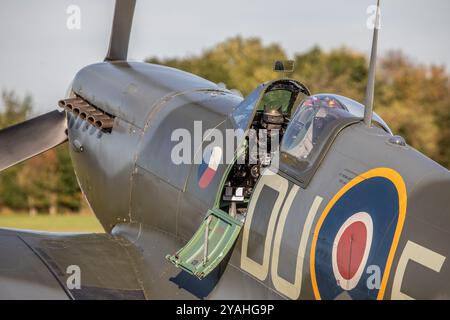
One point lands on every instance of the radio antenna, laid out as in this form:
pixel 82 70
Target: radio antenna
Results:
pixel 368 111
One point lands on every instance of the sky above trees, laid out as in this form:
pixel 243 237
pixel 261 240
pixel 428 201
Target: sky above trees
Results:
pixel 40 55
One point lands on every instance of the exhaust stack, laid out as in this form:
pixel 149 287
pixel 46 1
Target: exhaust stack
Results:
pixel 86 111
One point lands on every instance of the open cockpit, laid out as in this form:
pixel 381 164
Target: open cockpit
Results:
pixel 264 117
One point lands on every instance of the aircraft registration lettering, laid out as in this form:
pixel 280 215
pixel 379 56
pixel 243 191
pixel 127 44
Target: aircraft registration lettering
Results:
pixel 275 233
pixel 417 253
pixel 280 185
pixel 292 290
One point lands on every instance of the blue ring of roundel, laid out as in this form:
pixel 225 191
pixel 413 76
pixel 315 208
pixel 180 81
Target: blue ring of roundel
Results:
pixel 379 198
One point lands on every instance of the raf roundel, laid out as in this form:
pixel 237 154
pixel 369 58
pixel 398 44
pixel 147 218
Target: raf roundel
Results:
pixel 360 226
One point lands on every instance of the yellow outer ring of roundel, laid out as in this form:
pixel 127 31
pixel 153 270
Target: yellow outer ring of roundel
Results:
pixel 397 180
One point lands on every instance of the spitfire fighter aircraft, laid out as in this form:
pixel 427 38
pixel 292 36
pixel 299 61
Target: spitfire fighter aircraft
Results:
pixel 349 212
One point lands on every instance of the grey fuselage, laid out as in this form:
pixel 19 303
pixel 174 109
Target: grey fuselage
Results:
pixel 139 194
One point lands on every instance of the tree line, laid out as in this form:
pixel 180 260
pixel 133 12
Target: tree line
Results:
pixel 45 183
pixel 414 99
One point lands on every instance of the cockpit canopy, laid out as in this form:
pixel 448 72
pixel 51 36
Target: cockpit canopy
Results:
pixel 313 128
pixel 308 124
pixel 314 116
pixel 287 95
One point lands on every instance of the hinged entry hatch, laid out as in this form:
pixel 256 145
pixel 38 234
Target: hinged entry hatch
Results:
pixel 209 245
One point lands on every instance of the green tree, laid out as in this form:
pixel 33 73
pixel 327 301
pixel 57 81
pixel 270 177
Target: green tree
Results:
pixel 69 194
pixel 38 179
pixel 237 62
pixel 45 183
pixel 413 99
pixel 13 110
pixel 340 71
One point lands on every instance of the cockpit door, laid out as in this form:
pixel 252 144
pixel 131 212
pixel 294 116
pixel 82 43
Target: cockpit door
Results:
pixel 209 245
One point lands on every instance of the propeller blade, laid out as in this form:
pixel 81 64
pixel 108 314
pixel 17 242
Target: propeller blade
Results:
pixel 368 111
pixel 30 138
pixel 121 29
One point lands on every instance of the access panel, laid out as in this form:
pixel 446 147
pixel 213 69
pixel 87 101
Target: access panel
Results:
pixel 209 245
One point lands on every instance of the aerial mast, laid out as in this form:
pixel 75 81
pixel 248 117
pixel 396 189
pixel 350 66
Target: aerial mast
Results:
pixel 368 111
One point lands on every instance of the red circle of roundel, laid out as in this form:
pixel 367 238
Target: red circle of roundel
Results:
pixel 351 248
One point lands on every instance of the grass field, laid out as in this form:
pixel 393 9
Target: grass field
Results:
pixel 58 223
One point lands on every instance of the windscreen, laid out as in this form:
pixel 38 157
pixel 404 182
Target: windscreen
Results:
pixel 309 129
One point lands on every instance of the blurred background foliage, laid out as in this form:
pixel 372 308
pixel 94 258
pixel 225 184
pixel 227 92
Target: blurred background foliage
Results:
pixel 45 183
pixel 414 100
